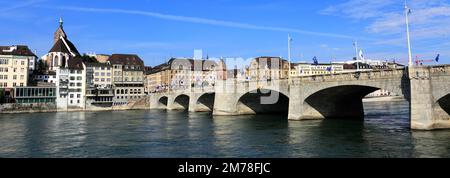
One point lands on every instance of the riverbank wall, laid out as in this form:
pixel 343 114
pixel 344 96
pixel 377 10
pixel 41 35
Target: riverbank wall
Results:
pixel 17 108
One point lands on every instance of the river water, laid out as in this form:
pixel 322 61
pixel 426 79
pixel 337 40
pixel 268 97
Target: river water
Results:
pixel 159 134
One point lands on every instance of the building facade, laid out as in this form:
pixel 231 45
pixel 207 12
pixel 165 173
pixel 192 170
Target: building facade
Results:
pixel 71 85
pixel 306 69
pixel 14 66
pixel 99 91
pixel 128 77
pixel 184 73
pixel 268 68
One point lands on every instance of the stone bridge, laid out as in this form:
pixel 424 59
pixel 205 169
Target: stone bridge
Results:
pixel 321 97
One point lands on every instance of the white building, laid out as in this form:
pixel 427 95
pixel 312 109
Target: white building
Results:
pixel 71 85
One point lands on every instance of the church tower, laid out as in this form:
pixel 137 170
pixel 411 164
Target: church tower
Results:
pixel 62 51
pixel 59 32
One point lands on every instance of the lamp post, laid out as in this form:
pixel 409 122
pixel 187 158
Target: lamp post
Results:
pixel 407 12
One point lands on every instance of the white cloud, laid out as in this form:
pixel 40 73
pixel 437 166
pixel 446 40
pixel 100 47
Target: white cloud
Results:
pixel 358 9
pixel 17 5
pixel 205 21
pixel 430 19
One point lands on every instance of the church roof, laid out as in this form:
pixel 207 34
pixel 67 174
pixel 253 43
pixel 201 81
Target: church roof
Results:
pixel 75 63
pixel 60 46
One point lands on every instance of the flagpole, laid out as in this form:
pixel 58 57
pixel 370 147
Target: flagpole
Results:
pixel 407 11
pixel 357 55
pixel 289 57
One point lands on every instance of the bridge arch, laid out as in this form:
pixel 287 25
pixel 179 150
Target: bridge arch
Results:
pixel 444 104
pixel 181 102
pixel 339 101
pixel 163 102
pixel 205 102
pixel 263 101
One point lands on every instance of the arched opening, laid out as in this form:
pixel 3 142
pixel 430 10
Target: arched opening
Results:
pixel 163 101
pixel 181 102
pixel 444 102
pixel 263 101
pixel 206 103
pixel 349 102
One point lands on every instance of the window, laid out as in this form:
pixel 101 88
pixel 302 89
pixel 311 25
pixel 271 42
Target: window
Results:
pixel 22 63
pixel 96 79
pixel 79 84
pixel 78 101
pixel 1 77
pixel 71 102
pixel 96 74
pixel 103 74
pixel 22 77
pixel 79 78
pixel 108 80
pixel 71 95
pixel 14 84
pixel 4 61
pixel 78 95
pixel 5 77
pixel 72 78
pixel 15 70
pixel 14 77
pixel 102 79
pixel 21 84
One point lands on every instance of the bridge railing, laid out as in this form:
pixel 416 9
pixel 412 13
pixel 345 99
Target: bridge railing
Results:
pixel 363 75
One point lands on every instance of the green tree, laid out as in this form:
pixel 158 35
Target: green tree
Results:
pixel 42 66
pixel 88 59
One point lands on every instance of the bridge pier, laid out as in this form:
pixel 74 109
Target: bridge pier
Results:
pixel 158 102
pixel 428 102
pixel 225 104
pixel 196 104
pixel 298 109
pixel 226 98
pixel 180 102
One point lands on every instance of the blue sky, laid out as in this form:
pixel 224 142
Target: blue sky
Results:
pixel 159 29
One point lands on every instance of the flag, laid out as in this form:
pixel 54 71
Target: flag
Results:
pixel 329 69
pixel 289 38
pixel 437 58
pixel 316 62
pixel 361 55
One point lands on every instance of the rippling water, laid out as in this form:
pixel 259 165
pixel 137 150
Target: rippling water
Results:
pixel 384 133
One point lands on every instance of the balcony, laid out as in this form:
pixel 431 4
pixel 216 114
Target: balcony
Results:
pixel 129 82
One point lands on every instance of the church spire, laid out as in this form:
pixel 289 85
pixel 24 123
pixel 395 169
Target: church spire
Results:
pixel 61 21
pixel 59 32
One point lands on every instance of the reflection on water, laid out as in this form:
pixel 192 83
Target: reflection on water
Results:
pixel 384 133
